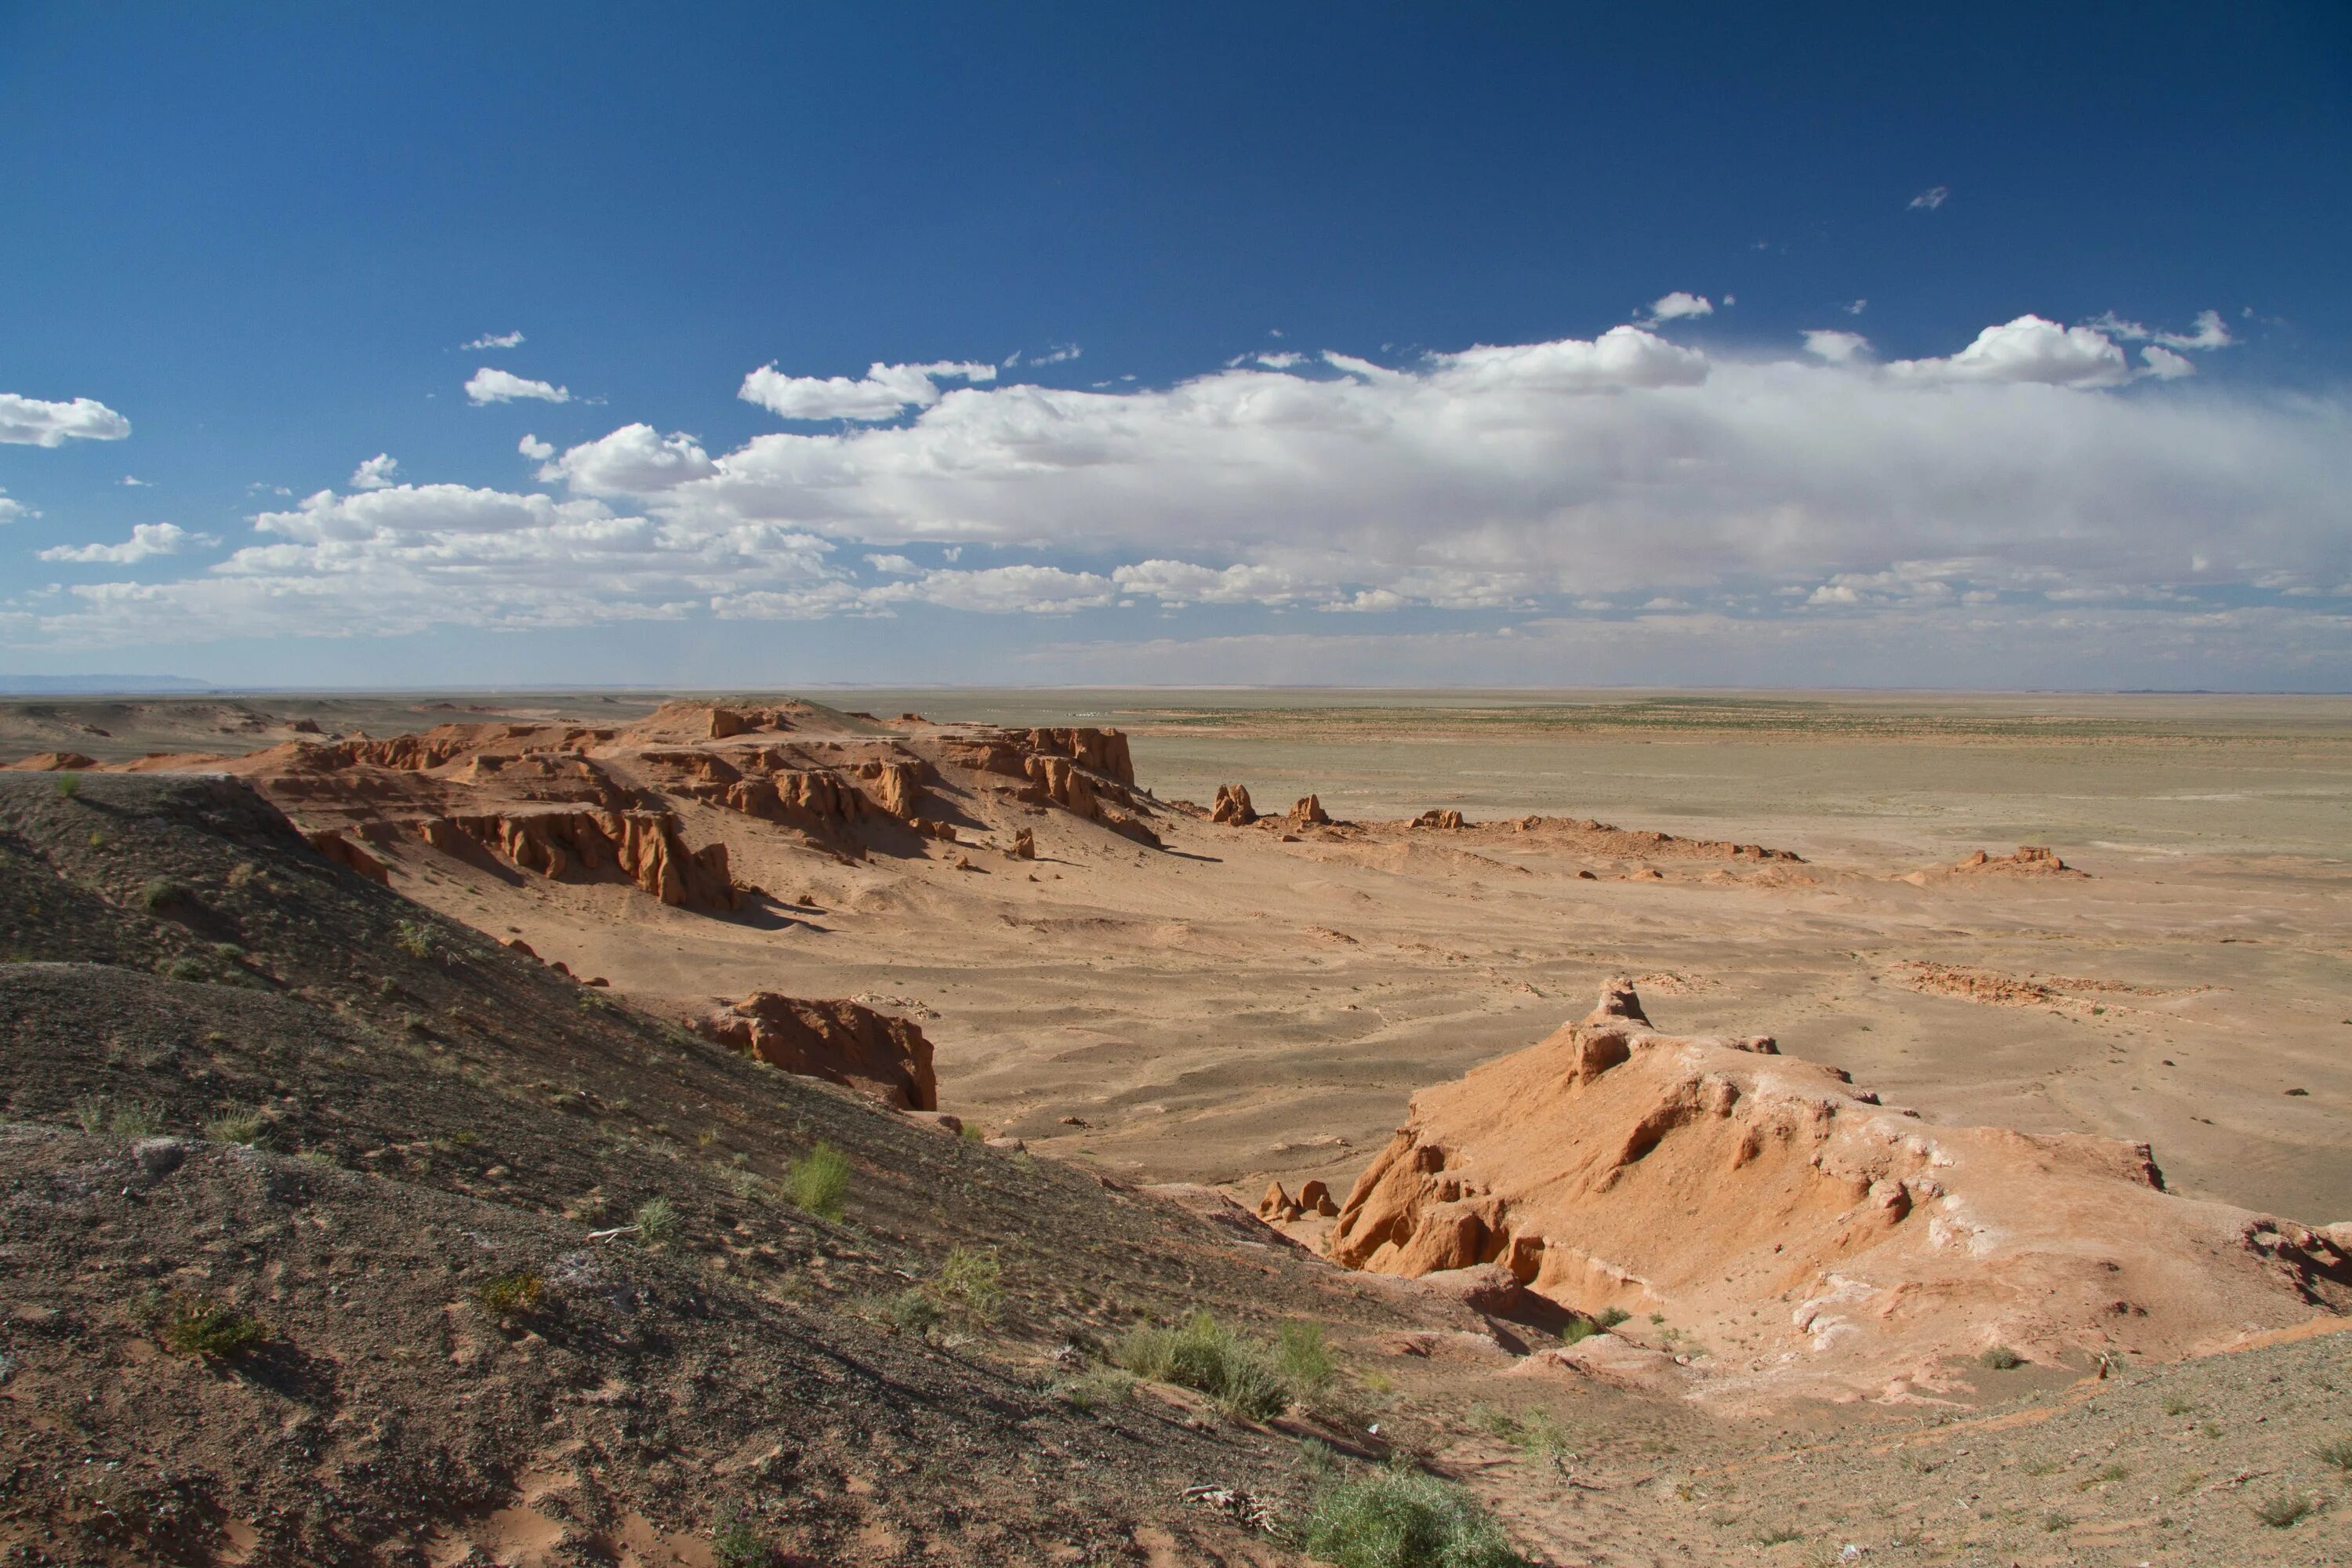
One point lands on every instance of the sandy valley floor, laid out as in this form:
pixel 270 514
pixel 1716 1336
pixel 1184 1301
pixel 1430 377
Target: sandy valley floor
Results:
pixel 1237 1007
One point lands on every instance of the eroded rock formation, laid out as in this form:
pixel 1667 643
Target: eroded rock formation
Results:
pixel 1100 752
pixel 645 846
pixel 2031 860
pixel 1232 805
pixel 871 1052
pixel 1611 1165
pixel 584 802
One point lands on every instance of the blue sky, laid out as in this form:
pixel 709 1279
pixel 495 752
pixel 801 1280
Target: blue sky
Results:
pixel 1814 345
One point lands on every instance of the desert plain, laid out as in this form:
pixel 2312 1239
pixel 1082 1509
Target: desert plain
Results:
pixel 2125 916
pixel 1238 1008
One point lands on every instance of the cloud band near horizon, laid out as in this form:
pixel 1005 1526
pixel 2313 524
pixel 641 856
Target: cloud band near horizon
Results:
pixel 2040 467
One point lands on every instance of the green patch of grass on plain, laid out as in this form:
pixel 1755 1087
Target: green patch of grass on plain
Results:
pixel 2283 1511
pixel 971 1284
pixel 200 1326
pixel 655 1221
pixel 1202 1353
pixel 512 1295
pixel 245 1124
pixel 818 1181
pixel 1402 1519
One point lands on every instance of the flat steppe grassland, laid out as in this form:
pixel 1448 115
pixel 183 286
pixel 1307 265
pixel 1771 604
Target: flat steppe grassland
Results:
pixel 1244 1008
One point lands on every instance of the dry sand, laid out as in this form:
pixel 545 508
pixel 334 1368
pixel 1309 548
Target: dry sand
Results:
pixel 1237 1007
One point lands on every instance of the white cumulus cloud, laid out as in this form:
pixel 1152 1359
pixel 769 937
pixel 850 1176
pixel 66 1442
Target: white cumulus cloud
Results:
pixel 1620 359
pixel 2166 365
pixel 147 539
pixel 537 451
pixel 487 385
pixel 1000 590
pixel 635 459
pixel 2028 349
pixel 1181 583
pixel 375 474
pixel 495 341
pixel 1835 346
pixel 2209 332
pixel 885 391
pixel 1676 306
pixel 1800 500
pixel 30 422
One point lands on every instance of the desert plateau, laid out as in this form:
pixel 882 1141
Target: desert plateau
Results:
pixel 1693 1127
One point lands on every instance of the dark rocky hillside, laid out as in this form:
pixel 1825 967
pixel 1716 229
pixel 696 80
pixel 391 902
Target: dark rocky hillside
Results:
pixel 250 1092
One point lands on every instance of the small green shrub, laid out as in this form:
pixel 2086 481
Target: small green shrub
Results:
pixel 163 892
pixel 191 970
pixel 912 1311
pixel 240 1124
pixel 738 1542
pixel 512 1295
pixel 655 1221
pixel 1096 1389
pixel 414 938
pixel 2282 1510
pixel 818 1180
pixel 199 1326
pixel 1401 1519
pixel 971 1134
pixel 2001 1358
pixel 89 1113
pixel 2057 1519
pixel 1537 1432
pixel 2337 1453
pixel 1205 1355
pixel 1302 1358
pixel 69 785
pixel 1613 1317
pixel 137 1119
pixel 971 1283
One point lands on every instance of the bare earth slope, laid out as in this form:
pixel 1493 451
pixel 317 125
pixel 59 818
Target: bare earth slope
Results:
pixel 429 1113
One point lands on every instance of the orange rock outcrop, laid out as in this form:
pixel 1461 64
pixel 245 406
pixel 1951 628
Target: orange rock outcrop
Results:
pixel 871 1052
pixel 584 802
pixel 2031 860
pixel 1103 752
pixel 1232 805
pixel 645 846
pixel 1611 1165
